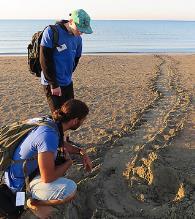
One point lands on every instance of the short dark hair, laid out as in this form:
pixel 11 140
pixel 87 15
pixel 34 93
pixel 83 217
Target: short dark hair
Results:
pixel 71 109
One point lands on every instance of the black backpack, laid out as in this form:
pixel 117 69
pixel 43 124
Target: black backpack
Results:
pixel 34 50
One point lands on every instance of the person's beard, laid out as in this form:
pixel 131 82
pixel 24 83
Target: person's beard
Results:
pixel 76 126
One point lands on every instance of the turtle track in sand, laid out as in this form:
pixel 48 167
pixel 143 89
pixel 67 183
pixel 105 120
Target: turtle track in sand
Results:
pixel 132 170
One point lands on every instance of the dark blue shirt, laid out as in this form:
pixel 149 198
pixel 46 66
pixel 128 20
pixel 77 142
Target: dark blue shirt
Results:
pixel 64 55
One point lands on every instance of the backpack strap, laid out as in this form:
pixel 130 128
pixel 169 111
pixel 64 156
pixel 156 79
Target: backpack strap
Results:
pixel 62 24
pixel 23 160
pixel 55 35
pixel 25 171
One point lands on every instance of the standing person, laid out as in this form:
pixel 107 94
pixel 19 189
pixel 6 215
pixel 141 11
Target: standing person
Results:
pixel 50 187
pixel 58 64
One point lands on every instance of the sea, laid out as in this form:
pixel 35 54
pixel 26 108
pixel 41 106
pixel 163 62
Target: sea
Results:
pixel 109 36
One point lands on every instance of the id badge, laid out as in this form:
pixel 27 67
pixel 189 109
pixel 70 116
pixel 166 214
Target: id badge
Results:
pixel 61 47
pixel 20 198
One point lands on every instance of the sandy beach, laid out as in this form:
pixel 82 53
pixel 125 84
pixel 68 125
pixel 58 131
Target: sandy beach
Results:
pixel 140 133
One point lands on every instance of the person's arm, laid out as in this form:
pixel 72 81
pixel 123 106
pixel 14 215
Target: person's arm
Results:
pixel 48 171
pixel 47 66
pixel 78 53
pixel 76 61
pixel 72 149
pixel 47 62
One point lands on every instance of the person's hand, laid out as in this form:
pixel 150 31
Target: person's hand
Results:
pixel 56 91
pixel 66 154
pixel 87 164
pixel 68 159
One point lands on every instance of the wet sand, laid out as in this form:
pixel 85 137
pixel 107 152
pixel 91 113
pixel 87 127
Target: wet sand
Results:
pixel 139 134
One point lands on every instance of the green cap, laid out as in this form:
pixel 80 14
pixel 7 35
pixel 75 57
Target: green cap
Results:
pixel 82 21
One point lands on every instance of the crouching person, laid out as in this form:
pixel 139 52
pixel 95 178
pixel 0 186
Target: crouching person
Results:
pixel 49 187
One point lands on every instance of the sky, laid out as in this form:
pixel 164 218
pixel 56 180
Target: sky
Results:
pixel 99 9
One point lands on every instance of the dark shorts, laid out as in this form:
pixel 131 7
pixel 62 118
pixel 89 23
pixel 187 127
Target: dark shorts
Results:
pixel 55 102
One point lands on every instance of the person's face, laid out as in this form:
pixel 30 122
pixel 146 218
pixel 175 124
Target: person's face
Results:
pixel 74 28
pixel 77 123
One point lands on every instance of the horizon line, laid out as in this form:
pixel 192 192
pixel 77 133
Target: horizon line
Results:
pixel 102 19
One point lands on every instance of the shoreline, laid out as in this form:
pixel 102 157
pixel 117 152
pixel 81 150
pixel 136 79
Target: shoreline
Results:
pixel 109 54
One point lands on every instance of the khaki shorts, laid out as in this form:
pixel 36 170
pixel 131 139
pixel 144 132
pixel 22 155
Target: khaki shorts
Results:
pixel 57 190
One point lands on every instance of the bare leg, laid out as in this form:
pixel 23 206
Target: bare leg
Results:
pixel 35 202
pixel 43 209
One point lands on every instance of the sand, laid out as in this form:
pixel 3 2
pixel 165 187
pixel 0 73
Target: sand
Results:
pixel 139 134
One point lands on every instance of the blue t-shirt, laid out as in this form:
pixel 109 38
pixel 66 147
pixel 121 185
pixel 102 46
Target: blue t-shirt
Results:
pixel 70 47
pixel 41 139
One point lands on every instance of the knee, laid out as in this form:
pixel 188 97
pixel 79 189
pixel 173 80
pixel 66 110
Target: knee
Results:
pixel 69 198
